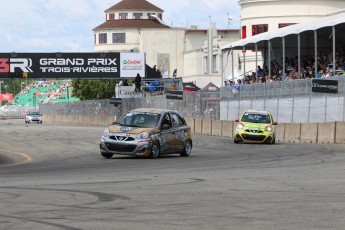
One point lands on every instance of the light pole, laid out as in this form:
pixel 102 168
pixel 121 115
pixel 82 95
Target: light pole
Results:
pixel 0 91
pixel 0 85
pixel 21 86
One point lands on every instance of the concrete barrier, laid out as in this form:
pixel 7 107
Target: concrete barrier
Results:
pixel 93 120
pixel 206 127
pixel 326 132
pixel 101 120
pixel 330 132
pixel 227 130
pixel 292 133
pixel 308 133
pixel 340 132
pixel 280 133
pixel 216 127
pixel 75 119
pixel 234 126
pixel 47 119
pixel 58 119
pixel 84 120
pixel 198 126
pixel 110 120
pixel 190 121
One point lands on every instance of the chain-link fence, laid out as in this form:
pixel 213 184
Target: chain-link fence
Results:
pixel 288 101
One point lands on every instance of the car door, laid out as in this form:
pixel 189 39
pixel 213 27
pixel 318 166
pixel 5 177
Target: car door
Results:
pixel 167 136
pixel 179 130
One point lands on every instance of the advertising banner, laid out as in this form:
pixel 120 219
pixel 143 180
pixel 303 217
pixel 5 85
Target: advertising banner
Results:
pixel 72 65
pixel 324 86
pixel 128 92
pixel 6 97
pixel 174 94
pixel 132 64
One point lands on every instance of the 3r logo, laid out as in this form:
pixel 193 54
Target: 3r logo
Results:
pixel 9 65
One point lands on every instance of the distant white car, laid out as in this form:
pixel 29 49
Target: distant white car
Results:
pixel 33 117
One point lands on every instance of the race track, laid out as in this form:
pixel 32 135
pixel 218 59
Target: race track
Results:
pixel 53 177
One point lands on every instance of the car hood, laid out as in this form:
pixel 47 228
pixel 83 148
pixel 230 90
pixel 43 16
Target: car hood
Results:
pixel 254 125
pixel 127 129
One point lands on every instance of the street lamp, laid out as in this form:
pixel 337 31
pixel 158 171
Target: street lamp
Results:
pixel 0 85
pixel 21 87
pixel 67 86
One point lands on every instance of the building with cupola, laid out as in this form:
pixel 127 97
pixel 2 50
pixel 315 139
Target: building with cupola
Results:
pixel 138 26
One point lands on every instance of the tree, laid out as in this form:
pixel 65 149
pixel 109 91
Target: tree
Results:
pixel 93 89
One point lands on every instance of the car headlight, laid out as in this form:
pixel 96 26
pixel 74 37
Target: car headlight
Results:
pixel 268 128
pixel 105 134
pixel 143 135
pixel 240 126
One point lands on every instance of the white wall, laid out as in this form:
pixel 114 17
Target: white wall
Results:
pixel 132 40
pixel 256 12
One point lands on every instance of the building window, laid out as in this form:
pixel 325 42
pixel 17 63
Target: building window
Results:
pixel 160 16
pixel 123 15
pixel 102 38
pixel 119 38
pixel 214 63
pixel 258 29
pixel 244 32
pixel 94 38
pixel 149 15
pixel 281 25
pixel 111 16
pixel 205 64
pixel 137 15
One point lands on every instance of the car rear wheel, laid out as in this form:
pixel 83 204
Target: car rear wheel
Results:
pixel 187 149
pixel 107 155
pixel 155 150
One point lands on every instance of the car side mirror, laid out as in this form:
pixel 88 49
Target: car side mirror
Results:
pixel 237 120
pixel 166 126
pixel 114 123
pixel 275 123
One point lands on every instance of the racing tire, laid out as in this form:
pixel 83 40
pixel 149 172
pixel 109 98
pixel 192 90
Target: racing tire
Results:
pixel 107 155
pixel 155 150
pixel 236 141
pixel 187 149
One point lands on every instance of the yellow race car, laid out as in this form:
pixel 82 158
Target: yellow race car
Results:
pixel 255 126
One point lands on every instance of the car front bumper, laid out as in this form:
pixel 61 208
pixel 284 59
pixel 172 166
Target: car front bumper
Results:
pixel 250 137
pixel 132 148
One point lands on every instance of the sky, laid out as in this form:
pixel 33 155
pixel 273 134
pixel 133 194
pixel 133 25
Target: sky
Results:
pixel 66 25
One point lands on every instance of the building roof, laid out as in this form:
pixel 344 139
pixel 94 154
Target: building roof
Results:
pixel 131 23
pixel 288 30
pixel 141 5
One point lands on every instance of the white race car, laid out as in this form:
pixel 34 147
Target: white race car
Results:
pixel 33 117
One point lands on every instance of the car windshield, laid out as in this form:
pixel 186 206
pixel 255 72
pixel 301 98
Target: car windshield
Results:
pixel 143 120
pixel 34 113
pixel 256 118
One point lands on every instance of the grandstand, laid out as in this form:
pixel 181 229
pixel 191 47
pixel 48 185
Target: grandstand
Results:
pixel 39 92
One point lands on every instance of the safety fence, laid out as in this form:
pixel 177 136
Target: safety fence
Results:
pixel 289 102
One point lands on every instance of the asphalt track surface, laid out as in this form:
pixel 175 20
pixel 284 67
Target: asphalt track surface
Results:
pixel 53 177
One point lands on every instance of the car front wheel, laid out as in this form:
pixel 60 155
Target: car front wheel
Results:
pixel 155 150
pixel 187 149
